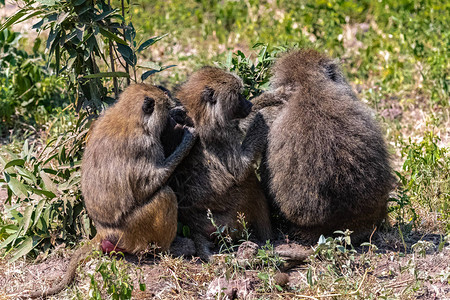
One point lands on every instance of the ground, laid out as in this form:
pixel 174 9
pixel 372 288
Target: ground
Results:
pixel 386 272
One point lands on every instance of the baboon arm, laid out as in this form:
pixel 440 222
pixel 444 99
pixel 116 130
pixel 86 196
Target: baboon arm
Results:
pixel 252 146
pixel 176 157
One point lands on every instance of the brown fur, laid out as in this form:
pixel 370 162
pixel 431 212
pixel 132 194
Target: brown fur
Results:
pixel 218 173
pixel 124 173
pixel 326 166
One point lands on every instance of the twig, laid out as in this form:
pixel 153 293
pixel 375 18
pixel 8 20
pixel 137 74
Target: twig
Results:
pixel 113 66
pixel 395 284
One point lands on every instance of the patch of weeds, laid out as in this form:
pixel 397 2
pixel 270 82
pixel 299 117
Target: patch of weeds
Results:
pixel 223 235
pixel 268 262
pixel 335 269
pixel 254 72
pixel 337 252
pixel 422 247
pixel 117 282
pixel 265 260
pixel 425 175
pixel 43 206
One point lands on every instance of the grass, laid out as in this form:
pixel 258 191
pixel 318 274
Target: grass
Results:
pixel 394 53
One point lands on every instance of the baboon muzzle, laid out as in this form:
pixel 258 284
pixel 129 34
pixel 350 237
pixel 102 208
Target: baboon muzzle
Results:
pixel 245 107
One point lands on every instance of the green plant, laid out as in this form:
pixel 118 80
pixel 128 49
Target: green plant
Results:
pixel 79 33
pixel 268 258
pixel 254 73
pixel 44 200
pixel 426 174
pixel 116 280
pixel 268 281
pixel 405 214
pixel 337 252
pixel 421 247
pixel 29 93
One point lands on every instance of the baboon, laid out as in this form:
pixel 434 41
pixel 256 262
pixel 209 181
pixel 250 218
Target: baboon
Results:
pixel 218 174
pixel 124 175
pixel 326 166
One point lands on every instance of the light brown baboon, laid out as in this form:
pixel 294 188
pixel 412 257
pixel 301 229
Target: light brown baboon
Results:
pixel 124 175
pixel 218 174
pixel 326 166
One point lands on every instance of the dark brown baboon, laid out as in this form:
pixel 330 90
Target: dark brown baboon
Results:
pixel 326 165
pixel 218 173
pixel 124 175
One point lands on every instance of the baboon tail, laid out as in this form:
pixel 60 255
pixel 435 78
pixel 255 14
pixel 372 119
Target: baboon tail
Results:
pixel 78 256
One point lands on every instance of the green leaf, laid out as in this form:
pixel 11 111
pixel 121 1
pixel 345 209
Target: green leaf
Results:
pixel 186 231
pixel 148 73
pixel 86 225
pixel 106 74
pixel 47 2
pixel 48 183
pixel 112 36
pixel 263 276
pixel 27 218
pixel 150 42
pixel 27 175
pixel 51 37
pixel 15 162
pixel 45 193
pixel 18 15
pixel 104 15
pixel 125 50
pixel 8 241
pixel 25 247
pixel 341 249
pixel 38 211
pixel 309 277
pixel 16 186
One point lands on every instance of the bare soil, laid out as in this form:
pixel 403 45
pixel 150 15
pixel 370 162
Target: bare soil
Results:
pixel 389 273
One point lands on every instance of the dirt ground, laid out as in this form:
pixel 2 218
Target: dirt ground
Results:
pixel 390 273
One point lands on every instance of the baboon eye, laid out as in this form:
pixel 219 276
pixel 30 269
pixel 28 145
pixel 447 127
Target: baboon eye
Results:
pixel 208 95
pixel 148 106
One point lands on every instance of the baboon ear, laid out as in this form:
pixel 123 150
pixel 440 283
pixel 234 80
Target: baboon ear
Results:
pixel 148 106
pixel 332 70
pixel 208 95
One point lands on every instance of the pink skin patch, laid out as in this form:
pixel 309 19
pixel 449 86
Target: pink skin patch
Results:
pixel 108 247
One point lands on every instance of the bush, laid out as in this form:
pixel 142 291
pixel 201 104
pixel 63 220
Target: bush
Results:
pixel 29 92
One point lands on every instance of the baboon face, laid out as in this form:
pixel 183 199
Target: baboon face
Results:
pixel 155 112
pixel 143 109
pixel 213 97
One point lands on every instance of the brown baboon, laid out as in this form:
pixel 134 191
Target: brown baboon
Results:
pixel 326 166
pixel 218 174
pixel 124 175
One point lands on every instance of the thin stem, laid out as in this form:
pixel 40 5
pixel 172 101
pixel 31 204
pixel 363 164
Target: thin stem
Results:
pixel 127 69
pixel 113 66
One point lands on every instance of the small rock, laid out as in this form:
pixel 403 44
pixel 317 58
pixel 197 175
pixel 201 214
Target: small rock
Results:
pixel 293 254
pixel 247 250
pixel 281 279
